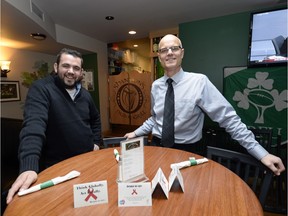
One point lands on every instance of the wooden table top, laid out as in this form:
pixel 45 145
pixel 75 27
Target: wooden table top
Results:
pixel 210 189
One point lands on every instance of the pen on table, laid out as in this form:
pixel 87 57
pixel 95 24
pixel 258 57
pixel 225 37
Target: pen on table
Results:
pixel 116 154
pixel 50 183
pixel 190 162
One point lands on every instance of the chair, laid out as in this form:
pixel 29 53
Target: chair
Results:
pixel 264 137
pixel 115 141
pixel 218 137
pixel 252 171
pixel 283 48
pixel 278 42
pixel 277 196
pixel 112 141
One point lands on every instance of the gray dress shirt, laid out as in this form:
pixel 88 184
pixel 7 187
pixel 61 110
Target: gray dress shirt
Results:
pixel 194 95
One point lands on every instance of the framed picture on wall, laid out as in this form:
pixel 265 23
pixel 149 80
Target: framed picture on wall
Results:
pixel 88 80
pixel 10 91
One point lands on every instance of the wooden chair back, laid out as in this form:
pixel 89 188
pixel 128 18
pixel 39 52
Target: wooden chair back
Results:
pixel 264 137
pixel 115 141
pixel 252 171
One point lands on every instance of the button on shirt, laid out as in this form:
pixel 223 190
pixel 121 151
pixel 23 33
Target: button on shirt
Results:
pixel 194 95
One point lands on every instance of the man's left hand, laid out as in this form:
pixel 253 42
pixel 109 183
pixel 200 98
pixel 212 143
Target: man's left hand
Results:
pixel 274 163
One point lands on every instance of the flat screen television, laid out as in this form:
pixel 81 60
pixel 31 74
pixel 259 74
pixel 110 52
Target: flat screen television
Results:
pixel 268 38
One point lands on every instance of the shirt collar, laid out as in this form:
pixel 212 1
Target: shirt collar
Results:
pixel 78 87
pixel 177 77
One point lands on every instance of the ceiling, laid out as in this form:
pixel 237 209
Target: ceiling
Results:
pixel 88 17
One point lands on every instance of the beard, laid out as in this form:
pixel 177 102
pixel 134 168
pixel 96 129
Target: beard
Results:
pixel 69 83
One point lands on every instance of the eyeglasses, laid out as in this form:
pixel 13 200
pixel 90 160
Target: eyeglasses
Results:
pixel 166 49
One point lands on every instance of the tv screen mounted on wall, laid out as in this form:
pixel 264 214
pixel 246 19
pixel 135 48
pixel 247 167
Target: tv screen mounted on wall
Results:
pixel 268 38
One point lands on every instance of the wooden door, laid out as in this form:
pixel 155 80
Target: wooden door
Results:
pixel 129 97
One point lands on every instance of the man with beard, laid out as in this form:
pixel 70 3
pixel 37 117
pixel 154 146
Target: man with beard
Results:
pixel 60 120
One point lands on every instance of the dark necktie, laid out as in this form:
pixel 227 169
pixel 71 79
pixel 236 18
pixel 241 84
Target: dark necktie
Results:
pixel 167 138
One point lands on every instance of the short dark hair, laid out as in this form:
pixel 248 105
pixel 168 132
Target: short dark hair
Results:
pixel 70 52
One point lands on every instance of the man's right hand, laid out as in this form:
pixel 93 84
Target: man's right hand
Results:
pixel 23 182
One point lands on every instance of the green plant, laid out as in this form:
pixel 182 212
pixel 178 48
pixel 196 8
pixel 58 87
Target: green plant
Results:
pixel 42 70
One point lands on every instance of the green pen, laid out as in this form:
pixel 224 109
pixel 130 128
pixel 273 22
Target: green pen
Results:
pixel 50 183
pixel 190 162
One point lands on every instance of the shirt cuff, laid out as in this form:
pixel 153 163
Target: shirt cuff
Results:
pixel 29 163
pixel 258 152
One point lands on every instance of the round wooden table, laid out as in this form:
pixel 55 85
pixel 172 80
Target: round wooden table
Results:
pixel 210 189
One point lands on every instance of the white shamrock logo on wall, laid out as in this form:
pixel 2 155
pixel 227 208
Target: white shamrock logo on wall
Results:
pixel 259 95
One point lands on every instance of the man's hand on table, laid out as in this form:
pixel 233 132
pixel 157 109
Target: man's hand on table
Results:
pixel 23 182
pixel 96 147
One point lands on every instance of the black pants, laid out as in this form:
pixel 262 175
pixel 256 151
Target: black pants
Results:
pixel 197 148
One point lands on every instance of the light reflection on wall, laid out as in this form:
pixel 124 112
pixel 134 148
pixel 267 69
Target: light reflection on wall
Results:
pixel 14 44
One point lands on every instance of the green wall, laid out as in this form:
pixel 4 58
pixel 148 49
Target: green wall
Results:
pixel 90 62
pixel 212 44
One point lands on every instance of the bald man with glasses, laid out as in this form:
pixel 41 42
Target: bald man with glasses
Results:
pixel 192 95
